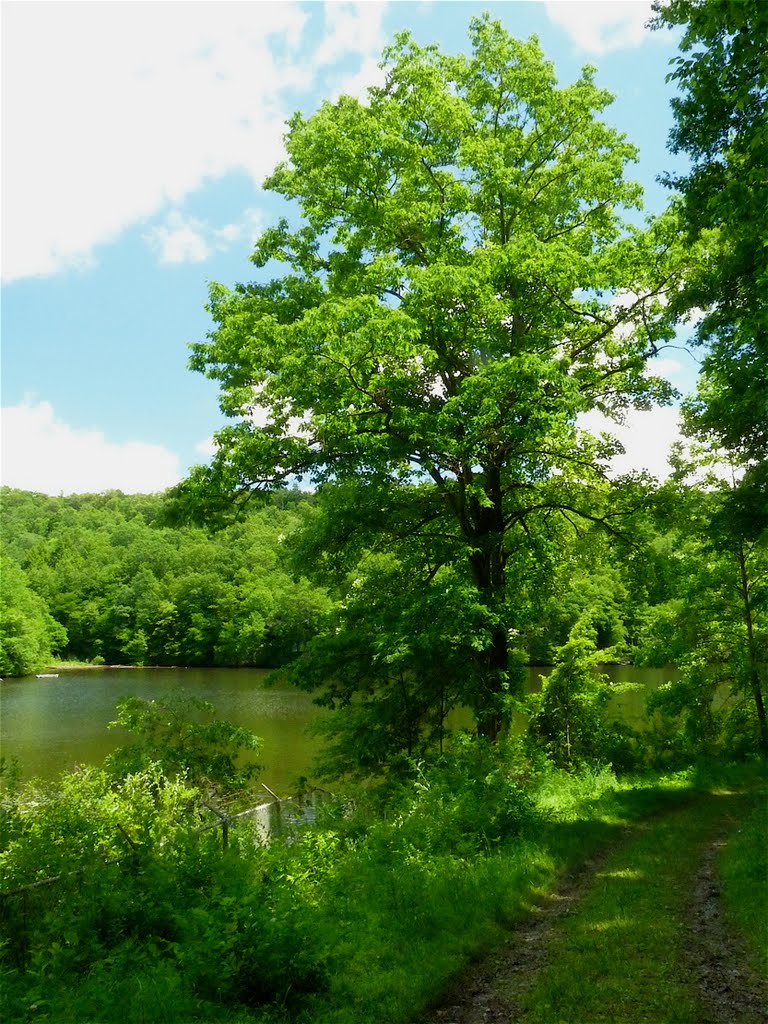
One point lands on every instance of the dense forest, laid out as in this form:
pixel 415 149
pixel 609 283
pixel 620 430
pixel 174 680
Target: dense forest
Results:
pixel 402 513
pixel 122 589
pixel 99 579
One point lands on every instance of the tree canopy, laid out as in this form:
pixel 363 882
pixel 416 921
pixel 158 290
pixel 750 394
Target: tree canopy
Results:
pixel 721 124
pixel 124 589
pixel 464 279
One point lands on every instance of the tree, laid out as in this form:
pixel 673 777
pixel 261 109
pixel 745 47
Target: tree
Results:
pixel 713 624
pixel 721 124
pixel 29 636
pixel 126 589
pixel 460 287
pixel 568 715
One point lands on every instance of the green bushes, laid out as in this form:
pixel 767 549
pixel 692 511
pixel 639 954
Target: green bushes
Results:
pixel 344 909
pixel 142 888
pixel 184 737
pixel 363 916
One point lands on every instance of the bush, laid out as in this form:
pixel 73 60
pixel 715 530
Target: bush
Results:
pixel 140 886
pixel 184 736
pixel 468 801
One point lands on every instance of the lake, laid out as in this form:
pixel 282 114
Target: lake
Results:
pixel 52 724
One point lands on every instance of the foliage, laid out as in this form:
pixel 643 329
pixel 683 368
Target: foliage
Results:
pixel 86 819
pixel 129 590
pixel 394 660
pixel 468 801
pixel 154 911
pixel 713 625
pixel 460 287
pixel 363 915
pixel 29 636
pixel 184 738
pixel 568 717
pixel 153 898
pixel 721 124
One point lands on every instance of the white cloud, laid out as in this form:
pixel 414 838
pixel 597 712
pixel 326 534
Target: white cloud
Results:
pixel 353 28
pixel 42 453
pixel 247 229
pixel 114 112
pixel 645 435
pixel 663 366
pixel 182 239
pixel 207 448
pixel 179 240
pixel 599 26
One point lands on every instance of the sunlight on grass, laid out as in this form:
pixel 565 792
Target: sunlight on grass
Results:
pixel 629 873
pixel 743 869
pixel 610 925
pixel 621 956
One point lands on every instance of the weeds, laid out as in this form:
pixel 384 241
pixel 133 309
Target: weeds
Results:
pixel 364 916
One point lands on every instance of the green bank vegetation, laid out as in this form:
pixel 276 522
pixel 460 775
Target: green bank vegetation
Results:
pixel 124 589
pixel 364 915
pixel 465 276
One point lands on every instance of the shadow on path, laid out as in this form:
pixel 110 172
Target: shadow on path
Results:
pixel 691 968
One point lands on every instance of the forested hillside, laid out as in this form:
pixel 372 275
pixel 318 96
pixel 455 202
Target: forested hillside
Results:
pixel 123 589
pixel 100 579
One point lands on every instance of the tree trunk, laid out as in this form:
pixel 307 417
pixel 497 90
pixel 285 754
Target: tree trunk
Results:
pixel 487 564
pixel 754 668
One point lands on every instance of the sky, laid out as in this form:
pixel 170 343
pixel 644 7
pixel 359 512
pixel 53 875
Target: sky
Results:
pixel 135 140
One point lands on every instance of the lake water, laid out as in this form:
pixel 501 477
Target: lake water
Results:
pixel 52 724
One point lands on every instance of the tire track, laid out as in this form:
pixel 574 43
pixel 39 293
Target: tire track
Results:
pixel 715 964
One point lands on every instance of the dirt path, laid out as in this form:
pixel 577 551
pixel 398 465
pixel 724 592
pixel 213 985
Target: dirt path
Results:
pixel 728 990
pixel 711 971
pixel 482 994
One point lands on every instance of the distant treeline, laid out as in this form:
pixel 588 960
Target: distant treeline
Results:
pixel 99 578
pixel 96 578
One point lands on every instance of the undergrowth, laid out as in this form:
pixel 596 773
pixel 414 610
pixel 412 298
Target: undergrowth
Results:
pixel 364 916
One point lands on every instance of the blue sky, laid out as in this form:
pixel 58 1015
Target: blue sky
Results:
pixel 135 139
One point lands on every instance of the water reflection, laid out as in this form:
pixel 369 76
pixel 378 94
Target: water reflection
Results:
pixel 52 724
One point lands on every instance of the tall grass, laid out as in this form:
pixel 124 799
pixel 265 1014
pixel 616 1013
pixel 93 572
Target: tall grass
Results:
pixel 743 869
pixel 364 917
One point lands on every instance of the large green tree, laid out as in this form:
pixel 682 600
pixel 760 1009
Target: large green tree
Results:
pixel 460 284
pixel 721 125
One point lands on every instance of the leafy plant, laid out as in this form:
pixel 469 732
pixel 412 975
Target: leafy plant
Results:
pixel 568 717
pixel 184 736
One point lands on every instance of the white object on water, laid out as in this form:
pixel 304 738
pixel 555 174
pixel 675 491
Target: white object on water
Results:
pixel 48 675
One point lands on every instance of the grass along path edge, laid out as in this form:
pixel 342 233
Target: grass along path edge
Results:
pixel 618 943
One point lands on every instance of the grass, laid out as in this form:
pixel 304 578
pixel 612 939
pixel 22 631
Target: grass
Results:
pixel 410 928
pixel 621 955
pixel 743 870
pixel 391 910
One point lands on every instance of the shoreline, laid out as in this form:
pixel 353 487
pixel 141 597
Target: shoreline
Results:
pixel 76 666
